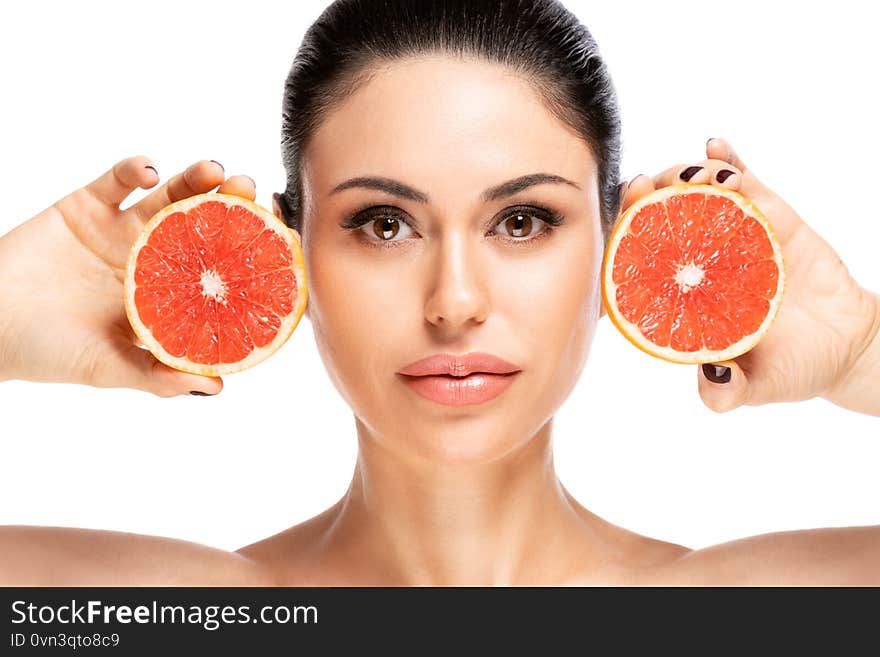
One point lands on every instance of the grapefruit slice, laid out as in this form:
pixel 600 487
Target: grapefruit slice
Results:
pixel 214 284
pixel 693 274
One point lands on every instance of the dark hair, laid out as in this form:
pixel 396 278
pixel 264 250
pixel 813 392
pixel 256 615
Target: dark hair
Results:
pixel 540 39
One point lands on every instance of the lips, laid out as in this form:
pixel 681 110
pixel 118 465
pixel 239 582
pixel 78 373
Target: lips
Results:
pixel 459 380
pixel 467 390
pixel 459 365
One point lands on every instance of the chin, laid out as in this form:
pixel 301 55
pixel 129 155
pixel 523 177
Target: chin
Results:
pixel 440 434
pixel 461 440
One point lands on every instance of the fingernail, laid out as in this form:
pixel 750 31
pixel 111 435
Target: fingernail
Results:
pixel 688 173
pixel 252 180
pixel 723 175
pixel 716 373
pixel 633 180
pixel 219 165
pixel 199 393
pixel 709 141
pixel 150 166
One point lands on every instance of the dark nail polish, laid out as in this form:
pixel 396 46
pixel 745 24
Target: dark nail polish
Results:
pixel 219 165
pixel 723 175
pixel 716 373
pixel 199 393
pixel 688 173
pixel 150 166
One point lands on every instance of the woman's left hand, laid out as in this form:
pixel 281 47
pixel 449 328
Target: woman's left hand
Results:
pixel 827 324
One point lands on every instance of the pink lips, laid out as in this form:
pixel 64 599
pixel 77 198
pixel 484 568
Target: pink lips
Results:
pixel 454 380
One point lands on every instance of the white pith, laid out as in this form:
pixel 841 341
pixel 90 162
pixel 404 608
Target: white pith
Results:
pixel 213 286
pixel 688 276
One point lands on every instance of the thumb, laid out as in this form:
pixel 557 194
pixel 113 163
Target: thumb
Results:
pixel 723 386
pixel 166 381
pixel 135 367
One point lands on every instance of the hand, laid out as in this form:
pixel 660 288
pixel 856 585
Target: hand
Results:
pixel 62 316
pixel 826 323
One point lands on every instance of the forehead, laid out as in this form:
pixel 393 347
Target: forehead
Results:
pixel 440 123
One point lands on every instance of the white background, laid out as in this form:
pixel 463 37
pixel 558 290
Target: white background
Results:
pixel 86 84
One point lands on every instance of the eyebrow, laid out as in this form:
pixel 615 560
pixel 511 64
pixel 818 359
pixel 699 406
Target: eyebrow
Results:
pixel 398 188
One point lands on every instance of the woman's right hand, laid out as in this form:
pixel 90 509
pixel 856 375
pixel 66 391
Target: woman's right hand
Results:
pixel 62 315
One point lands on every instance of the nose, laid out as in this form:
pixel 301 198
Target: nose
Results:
pixel 458 293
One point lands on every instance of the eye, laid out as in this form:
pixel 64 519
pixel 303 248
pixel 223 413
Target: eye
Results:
pixel 524 224
pixel 519 224
pixel 386 225
pixel 379 224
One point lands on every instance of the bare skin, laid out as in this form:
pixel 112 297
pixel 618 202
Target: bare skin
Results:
pixel 440 495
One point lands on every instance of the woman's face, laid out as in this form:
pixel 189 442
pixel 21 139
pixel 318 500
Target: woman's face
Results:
pixel 447 268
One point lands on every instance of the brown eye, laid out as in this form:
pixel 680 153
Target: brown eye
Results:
pixel 518 225
pixel 386 227
pixel 527 224
pixel 380 225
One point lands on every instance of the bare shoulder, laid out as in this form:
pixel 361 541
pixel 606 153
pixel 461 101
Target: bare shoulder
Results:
pixel 297 555
pixel 66 556
pixel 834 556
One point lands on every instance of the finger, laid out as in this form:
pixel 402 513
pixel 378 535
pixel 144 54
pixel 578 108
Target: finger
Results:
pixel 745 181
pixel 711 172
pixel 198 178
pixel 639 186
pixel 134 367
pixel 719 149
pixel 166 381
pixel 243 186
pixel 115 185
pixel 722 389
pixel 682 173
pixel 723 174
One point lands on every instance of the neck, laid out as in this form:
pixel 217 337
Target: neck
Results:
pixel 506 522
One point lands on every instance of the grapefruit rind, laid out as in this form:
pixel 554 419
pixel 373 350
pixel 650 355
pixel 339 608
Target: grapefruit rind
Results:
pixel 632 332
pixel 258 354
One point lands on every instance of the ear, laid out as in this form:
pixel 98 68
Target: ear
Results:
pixel 276 210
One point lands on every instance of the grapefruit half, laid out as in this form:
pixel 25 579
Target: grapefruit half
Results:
pixel 693 274
pixel 214 284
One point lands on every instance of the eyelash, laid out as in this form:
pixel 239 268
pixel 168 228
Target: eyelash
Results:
pixel 370 213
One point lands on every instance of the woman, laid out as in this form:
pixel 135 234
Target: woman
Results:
pixel 427 231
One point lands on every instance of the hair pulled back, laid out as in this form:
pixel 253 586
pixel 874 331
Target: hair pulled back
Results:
pixel 539 39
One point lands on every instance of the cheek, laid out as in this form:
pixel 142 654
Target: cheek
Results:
pixel 357 305
pixel 557 306
pixel 557 296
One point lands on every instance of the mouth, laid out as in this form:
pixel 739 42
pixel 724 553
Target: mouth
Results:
pixel 460 365
pixel 465 376
pixel 460 379
pixel 454 390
